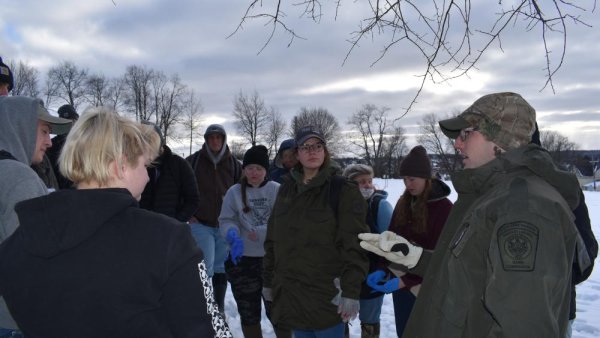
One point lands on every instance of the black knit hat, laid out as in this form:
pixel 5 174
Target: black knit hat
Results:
pixel 67 111
pixel 257 155
pixel 416 163
pixel 6 76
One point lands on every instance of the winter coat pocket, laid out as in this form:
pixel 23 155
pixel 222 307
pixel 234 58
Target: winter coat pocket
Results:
pixel 461 238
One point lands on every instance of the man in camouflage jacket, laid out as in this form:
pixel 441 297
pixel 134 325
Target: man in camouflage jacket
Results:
pixel 502 266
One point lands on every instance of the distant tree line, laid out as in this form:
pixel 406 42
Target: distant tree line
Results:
pixel 376 136
pixel 146 94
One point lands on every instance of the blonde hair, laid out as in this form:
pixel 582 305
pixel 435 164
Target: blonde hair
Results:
pixel 99 138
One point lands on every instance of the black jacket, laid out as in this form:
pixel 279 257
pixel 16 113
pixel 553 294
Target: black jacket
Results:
pixel 90 263
pixel 172 188
pixel 53 153
pixel 584 227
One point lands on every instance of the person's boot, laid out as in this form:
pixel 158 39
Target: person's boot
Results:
pixel 252 331
pixel 219 281
pixel 369 330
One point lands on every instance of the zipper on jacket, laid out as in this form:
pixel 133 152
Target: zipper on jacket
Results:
pixel 460 236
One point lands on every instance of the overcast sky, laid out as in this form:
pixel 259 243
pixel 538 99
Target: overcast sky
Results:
pixel 189 37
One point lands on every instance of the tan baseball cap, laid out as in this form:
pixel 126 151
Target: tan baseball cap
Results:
pixel 58 125
pixel 503 118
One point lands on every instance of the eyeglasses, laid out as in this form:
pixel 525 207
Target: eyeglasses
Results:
pixel 464 133
pixel 317 147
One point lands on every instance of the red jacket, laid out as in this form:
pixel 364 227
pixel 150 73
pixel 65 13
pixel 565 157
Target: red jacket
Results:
pixel 438 208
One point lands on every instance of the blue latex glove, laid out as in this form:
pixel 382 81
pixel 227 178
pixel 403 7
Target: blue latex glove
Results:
pixel 388 287
pixel 376 277
pixel 236 245
pixel 379 281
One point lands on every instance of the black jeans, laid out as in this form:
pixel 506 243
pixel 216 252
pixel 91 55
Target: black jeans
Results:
pixel 246 285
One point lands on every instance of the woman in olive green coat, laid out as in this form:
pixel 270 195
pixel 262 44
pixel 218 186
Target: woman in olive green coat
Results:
pixel 309 249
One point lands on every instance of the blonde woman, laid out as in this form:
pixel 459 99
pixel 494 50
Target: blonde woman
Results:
pixel 90 263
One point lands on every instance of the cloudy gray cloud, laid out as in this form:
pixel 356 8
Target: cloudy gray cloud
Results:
pixel 190 38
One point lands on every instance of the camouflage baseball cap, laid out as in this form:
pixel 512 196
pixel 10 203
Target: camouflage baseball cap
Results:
pixel 503 118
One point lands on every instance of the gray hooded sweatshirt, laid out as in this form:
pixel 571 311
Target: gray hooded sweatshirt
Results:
pixel 261 201
pixel 18 182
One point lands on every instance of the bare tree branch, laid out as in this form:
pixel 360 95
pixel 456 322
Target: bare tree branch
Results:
pixel 558 145
pixel 68 82
pixel 373 126
pixel 275 131
pixel 192 113
pixel 97 89
pixel 252 117
pixel 432 139
pixel 137 82
pixel 444 32
pixel 26 79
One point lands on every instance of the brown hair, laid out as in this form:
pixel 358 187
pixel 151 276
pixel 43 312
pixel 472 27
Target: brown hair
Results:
pixel 413 210
pixel 244 185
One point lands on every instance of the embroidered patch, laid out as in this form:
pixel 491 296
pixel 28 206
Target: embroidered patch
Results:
pixel 518 246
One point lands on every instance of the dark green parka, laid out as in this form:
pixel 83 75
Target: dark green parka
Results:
pixel 502 265
pixel 306 249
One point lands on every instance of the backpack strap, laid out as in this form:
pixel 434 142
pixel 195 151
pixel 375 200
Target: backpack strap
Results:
pixel 335 188
pixel 373 212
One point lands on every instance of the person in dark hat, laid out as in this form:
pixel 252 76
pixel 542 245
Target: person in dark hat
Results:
pixel 502 266
pixel 243 221
pixel 68 112
pixel 7 81
pixel 419 216
pixel 216 170
pixel 313 265
pixel 284 161
pixel 171 189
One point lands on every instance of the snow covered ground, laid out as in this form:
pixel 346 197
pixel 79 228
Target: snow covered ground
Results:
pixel 587 324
